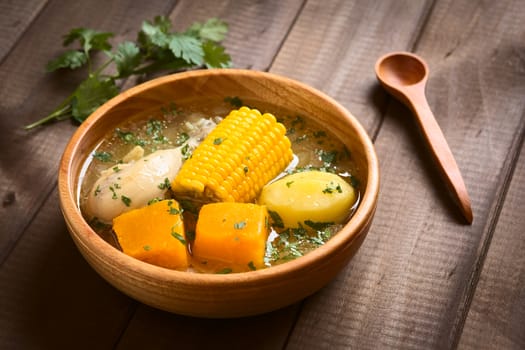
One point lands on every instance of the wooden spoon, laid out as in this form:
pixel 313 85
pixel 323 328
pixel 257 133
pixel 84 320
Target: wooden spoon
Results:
pixel 404 75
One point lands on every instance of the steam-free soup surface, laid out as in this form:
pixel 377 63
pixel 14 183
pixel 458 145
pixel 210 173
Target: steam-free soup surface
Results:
pixel 179 128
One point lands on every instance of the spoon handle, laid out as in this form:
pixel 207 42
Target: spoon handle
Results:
pixel 441 151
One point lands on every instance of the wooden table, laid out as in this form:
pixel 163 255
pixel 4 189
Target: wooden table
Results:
pixel 423 279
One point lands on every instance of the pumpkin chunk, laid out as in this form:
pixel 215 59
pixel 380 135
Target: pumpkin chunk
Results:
pixel 154 234
pixel 230 237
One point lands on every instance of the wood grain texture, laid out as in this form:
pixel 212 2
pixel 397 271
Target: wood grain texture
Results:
pixel 58 302
pixel 15 17
pixel 32 94
pixel 411 284
pixel 334 44
pixel 496 318
pixel 407 286
pixel 257 29
pixel 150 328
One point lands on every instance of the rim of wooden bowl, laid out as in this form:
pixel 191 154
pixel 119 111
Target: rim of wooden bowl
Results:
pixel 86 237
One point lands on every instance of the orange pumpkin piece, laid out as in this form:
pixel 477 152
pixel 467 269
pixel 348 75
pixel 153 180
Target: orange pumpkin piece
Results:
pixel 230 237
pixel 154 234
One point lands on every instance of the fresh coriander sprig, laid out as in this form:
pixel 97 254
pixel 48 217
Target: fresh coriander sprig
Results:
pixel 157 49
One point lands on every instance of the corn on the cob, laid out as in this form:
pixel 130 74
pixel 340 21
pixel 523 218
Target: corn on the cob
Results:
pixel 238 157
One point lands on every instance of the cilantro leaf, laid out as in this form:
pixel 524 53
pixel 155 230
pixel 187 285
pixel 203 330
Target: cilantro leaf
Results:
pixel 186 47
pixel 155 32
pixel 90 94
pixel 213 29
pixel 89 39
pixel 157 49
pixel 215 55
pixel 127 58
pixel 70 59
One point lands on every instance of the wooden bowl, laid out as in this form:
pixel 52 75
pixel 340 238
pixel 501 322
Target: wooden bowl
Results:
pixel 211 295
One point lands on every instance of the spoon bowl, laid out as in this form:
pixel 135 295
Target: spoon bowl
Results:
pixel 404 75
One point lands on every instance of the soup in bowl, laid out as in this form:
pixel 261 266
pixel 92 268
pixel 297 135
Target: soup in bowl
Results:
pixel 219 193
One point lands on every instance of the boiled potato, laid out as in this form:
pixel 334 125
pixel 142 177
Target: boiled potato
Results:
pixel 310 196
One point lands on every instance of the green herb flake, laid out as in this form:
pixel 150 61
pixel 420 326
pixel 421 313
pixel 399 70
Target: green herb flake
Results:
pixel 147 248
pixel 177 235
pixel 186 152
pixel 245 169
pixel 116 169
pixel 217 141
pixel 103 156
pixel 251 265
pixel 125 200
pixel 332 188
pixel 97 190
pixel 225 271
pixel 181 139
pixel 174 211
pixel 289 183
pixel 114 196
pixel 328 157
pixel 234 101
pixel 318 226
pixel 165 185
pixel 276 219
pixel 154 200
pixel 239 225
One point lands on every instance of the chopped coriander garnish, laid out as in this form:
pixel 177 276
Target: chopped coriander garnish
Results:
pixel 185 151
pixel 147 248
pixel 332 187
pixel 218 141
pixel 165 185
pixel 277 221
pixel 328 157
pixel 318 226
pixel 225 271
pixel 252 266
pixel 102 156
pixel 125 200
pixel 114 196
pixel 97 190
pixel 174 211
pixel 177 235
pixel 234 101
pixel 239 225
pixel 154 200
pixel 289 183
pixel 181 138
pixel 116 169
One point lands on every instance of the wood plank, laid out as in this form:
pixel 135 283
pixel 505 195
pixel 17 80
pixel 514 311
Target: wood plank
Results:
pixel 408 285
pixel 496 319
pixel 151 329
pixel 51 298
pixel 15 17
pixel 31 93
pixel 334 45
pixel 257 29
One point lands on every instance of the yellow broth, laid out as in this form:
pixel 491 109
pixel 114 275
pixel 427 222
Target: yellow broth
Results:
pixel 314 147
